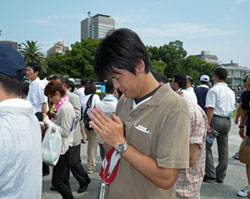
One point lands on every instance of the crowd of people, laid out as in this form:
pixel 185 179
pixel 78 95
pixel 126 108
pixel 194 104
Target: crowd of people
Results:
pixel 155 137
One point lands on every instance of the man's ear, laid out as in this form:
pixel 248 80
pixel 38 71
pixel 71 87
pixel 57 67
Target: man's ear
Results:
pixel 140 66
pixel 37 73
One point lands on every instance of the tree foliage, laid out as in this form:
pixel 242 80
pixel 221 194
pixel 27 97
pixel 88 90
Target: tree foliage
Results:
pixel 77 62
pixel 31 52
pixel 172 57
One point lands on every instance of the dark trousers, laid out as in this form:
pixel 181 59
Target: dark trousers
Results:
pixel 102 151
pixel 76 167
pixel 222 125
pixel 60 177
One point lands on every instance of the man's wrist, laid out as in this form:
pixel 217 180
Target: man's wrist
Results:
pixel 241 126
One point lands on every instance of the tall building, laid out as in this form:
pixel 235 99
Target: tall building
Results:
pixel 58 48
pixel 205 55
pixel 97 26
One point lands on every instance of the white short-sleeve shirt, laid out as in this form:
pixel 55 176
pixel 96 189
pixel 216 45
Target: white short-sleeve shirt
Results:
pixel 221 98
pixel 36 95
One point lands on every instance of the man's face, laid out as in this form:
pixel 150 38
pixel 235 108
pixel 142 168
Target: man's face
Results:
pixel 175 86
pixel 31 74
pixel 127 83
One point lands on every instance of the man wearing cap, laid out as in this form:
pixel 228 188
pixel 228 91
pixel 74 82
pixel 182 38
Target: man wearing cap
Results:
pixel 20 143
pixel 220 102
pixel 201 92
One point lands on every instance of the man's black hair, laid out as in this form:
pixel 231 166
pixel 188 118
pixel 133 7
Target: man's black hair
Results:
pixel 84 81
pixel 109 87
pixel 72 86
pixel 159 77
pixel 25 90
pixel 203 82
pixel 221 73
pixel 122 49
pixel 90 87
pixel 189 78
pixel 36 67
pixel 181 79
pixel 11 85
pixel 64 80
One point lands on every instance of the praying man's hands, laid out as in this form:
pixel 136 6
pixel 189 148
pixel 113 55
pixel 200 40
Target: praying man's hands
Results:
pixel 111 130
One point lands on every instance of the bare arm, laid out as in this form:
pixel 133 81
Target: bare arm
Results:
pixel 44 108
pixel 238 114
pixel 242 122
pixel 193 154
pixel 210 114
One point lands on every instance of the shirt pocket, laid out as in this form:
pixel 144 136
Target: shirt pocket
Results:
pixel 141 139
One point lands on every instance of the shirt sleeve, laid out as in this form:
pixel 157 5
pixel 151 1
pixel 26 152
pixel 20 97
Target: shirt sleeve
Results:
pixel 198 127
pixel 95 100
pixel 245 100
pixel 66 119
pixel 42 97
pixel 211 99
pixel 173 141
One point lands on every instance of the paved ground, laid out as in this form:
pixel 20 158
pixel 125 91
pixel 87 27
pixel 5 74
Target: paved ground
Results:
pixel 235 180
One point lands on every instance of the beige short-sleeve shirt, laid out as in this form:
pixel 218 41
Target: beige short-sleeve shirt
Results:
pixel 160 129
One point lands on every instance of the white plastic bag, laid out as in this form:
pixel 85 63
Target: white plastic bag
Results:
pixel 51 146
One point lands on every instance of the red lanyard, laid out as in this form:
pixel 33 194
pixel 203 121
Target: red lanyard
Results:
pixel 110 166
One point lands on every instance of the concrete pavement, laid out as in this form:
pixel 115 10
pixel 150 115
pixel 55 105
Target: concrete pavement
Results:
pixel 235 179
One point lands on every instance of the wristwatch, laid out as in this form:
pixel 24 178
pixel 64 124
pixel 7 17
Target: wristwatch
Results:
pixel 121 148
pixel 241 127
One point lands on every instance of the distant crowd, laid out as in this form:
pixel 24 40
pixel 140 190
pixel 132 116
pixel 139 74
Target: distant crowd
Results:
pixel 155 137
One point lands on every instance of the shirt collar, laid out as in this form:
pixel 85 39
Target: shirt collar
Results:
pixel 36 80
pixel 203 86
pixel 221 84
pixel 110 97
pixel 16 102
pixel 156 98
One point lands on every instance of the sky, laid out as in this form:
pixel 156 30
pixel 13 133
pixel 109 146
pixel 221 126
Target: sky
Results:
pixel 219 26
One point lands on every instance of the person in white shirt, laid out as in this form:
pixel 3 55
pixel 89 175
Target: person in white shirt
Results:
pixel 108 106
pixel 220 103
pixel 190 90
pixel 80 93
pixel 179 84
pixel 36 89
pixel 90 90
pixel 20 142
pixel 36 96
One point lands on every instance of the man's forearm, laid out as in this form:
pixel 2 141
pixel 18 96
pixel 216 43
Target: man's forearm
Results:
pixel 243 117
pixel 210 114
pixel 161 177
pixel 44 108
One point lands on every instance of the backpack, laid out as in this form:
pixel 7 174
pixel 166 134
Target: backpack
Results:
pixel 86 118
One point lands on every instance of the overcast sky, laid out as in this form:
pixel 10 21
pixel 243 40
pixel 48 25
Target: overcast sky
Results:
pixel 219 26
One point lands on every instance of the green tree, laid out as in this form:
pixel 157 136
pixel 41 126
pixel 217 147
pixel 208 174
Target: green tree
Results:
pixel 77 62
pixel 172 54
pixel 160 66
pixel 196 67
pixel 31 52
